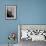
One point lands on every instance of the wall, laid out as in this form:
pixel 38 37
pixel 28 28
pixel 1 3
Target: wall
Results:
pixel 33 12
pixel 28 12
pixel 7 26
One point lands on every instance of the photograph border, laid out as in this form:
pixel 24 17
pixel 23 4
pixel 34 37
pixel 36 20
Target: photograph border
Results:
pixel 6 13
pixel 19 26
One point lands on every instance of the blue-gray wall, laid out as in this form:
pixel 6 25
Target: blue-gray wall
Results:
pixel 28 12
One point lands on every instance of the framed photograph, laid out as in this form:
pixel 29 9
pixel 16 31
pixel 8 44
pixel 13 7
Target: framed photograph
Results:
pixel 33 32
pixel 10 12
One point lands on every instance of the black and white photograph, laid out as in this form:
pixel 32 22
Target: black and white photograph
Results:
pixel 10 11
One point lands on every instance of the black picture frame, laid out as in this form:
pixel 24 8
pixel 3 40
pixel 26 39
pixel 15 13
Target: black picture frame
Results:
pixel 10 12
